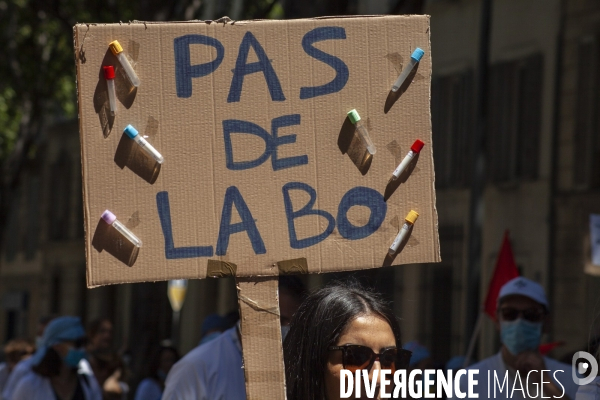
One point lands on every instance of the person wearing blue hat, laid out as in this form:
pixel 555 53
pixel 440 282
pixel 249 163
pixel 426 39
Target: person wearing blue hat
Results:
pixel 59 370
pixel 522 372
pixel 212 327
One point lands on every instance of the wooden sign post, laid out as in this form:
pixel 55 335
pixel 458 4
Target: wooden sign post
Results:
pixel 261 338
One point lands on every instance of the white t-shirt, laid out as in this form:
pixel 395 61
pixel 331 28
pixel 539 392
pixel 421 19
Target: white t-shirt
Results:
pixel 148 389
pixel 560 373
pixel 4 374
pixel 212 371
pixel 36 387
pixel 19 371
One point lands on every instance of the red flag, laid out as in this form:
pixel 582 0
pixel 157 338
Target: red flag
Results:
pixel 506 269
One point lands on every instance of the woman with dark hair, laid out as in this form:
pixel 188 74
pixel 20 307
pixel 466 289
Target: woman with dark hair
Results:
pixel 59 369
pixel 153 386
pixel 343 326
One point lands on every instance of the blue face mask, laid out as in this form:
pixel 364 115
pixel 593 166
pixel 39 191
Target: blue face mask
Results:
pixel 73 357
pixel 520 335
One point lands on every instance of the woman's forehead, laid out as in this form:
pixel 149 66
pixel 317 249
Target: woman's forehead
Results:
pixel 368 330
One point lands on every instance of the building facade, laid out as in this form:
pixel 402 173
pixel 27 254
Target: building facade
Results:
pixel 577 192
pixel 518 158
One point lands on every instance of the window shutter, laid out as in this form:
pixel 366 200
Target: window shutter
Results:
pixel 586 108
pixel 452 124
pixel 439 106
pixel 464 126
pixel 514 119
pixel 529 116
pixel 60 196
pixel 12 230
pixel 500 124
pixel 33 206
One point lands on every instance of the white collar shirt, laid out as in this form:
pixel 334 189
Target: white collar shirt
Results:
pixel 212 371
pixel 32 386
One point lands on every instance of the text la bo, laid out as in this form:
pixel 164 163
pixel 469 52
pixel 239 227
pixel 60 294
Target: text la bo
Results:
pixel 357 196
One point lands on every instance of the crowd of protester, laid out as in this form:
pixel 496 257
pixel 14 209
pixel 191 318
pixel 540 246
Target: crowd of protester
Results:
pixel 340 326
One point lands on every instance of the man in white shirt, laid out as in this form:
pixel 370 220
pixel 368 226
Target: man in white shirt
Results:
pixel 519 371
pixel 210 371
pixel 213 371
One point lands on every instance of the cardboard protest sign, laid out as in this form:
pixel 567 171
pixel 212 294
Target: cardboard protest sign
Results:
pixel 261 164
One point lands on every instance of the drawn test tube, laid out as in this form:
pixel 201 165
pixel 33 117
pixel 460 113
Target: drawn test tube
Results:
pixel 147 147
pixel 409 221
pixel 414 59
pixel 362 131
pixel 109 75
pixel 414 150
pixel 111 219
pixel 117 50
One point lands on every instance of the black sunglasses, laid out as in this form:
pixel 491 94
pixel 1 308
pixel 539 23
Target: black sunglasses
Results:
pixel 355 357
pixel 531 314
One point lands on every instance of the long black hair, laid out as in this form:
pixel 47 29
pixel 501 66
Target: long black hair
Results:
pixel 317 325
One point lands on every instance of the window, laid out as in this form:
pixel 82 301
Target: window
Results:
pixel 79 217
pixel 452 125
pixel 438 292
pixel 55 292
pixel 60 195
pixel 514 119
pixel 12 232
pixel 586 160
pixel 33 206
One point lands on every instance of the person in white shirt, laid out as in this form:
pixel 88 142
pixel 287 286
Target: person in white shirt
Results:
pixel 58 368
pixel 519 371
pixel 213 371
pixel 20 370
pixel 4 373
pixel 15 350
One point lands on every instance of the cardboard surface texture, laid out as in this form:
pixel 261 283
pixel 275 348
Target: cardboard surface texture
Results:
pixel 261 338
pixel 261 164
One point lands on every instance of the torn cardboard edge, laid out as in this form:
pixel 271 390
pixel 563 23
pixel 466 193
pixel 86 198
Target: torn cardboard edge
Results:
pixel 235 22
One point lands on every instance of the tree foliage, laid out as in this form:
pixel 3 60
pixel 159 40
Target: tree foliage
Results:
pixel 37 70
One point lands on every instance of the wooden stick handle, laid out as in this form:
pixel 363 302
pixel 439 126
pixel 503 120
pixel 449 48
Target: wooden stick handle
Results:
pixel 261 338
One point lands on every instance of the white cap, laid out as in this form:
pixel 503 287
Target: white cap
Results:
pixel 524 287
